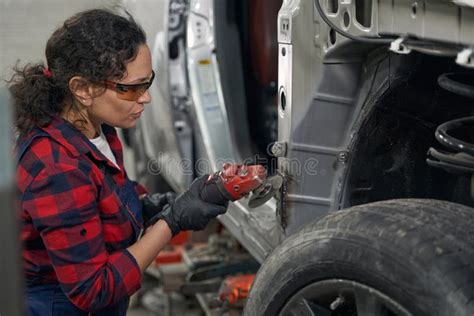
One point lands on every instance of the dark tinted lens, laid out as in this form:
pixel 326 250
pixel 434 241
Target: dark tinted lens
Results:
pixel 121 88
pixel 130 92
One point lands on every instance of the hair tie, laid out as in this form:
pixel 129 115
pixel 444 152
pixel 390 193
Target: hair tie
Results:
pixel 47 73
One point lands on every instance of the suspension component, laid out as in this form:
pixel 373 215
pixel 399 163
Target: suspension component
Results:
pixel 456 135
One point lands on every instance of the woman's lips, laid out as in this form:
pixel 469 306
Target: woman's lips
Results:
pixel 136 115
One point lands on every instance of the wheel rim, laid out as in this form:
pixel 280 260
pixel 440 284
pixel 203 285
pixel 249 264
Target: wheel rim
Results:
pixel 341 297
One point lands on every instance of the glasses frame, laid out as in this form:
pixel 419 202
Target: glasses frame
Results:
pixel 130 92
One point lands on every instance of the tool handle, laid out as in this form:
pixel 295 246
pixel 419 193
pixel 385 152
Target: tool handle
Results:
pixel 212 193
pixel 232 183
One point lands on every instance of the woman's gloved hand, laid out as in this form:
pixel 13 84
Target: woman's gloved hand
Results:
pixel 153 204
pixel 189 211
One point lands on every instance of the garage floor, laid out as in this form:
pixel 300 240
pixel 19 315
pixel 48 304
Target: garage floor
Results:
pixel 155 302
pixel 161 296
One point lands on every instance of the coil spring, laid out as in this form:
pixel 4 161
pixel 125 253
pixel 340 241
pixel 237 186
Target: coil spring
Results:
pixel 453 134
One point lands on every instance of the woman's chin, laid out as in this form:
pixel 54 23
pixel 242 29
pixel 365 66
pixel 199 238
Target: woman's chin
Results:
pixel 128 124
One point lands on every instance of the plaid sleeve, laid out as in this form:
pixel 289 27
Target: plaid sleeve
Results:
pixel 62 204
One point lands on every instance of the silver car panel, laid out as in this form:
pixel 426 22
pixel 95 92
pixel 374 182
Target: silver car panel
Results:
pixel 156 125
pixel 205 85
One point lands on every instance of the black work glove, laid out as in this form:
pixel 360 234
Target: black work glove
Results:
pixel 189 211
pixel 153 204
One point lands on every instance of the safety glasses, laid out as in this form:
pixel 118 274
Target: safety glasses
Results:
pixel 130 92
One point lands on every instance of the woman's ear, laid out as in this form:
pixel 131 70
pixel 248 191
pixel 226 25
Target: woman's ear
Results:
pixel 81 90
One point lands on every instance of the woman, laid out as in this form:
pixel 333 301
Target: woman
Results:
pixel 80 214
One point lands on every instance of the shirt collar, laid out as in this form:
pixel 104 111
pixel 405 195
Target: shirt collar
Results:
pixel 68 136
pixel 78 144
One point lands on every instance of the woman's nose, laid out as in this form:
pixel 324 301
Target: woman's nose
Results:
pixel 145 98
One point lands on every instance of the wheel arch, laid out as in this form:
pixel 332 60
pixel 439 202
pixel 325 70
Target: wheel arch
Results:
pixel 392 132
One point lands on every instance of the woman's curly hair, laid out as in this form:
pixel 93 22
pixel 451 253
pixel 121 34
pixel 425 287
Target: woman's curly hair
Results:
pixel 95 44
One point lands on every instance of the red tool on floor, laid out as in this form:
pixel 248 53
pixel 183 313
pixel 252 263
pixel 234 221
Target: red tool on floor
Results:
pixel 236 288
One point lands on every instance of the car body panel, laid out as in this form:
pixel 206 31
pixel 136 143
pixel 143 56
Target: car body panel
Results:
pixel 324 78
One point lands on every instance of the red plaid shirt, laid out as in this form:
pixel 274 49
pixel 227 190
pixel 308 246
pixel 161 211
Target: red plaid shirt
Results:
pixel 75 229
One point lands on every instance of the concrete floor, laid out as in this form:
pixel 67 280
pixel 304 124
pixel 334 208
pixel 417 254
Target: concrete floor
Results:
pixel 155 303
pixel 159 294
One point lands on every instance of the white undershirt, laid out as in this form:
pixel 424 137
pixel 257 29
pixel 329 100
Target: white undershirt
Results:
pixel 103 145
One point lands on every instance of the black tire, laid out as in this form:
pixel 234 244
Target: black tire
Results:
pixel 387 258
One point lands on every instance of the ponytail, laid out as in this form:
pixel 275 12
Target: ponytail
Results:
pixel 37 97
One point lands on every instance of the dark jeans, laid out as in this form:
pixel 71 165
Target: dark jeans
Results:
pixel 50 300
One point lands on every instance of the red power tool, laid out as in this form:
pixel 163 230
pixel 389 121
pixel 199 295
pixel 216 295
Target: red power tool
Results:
pixel 235 181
